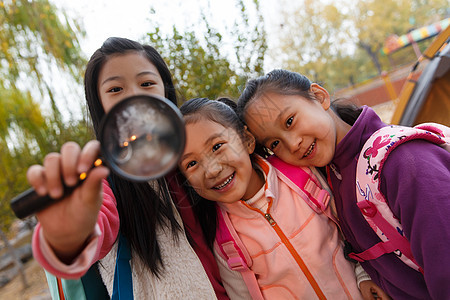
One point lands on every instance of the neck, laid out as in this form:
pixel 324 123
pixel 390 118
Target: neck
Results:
pixel 256 183
pixel 342 128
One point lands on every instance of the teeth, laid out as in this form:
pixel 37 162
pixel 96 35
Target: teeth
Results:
pixel 227 181
pixel 310 149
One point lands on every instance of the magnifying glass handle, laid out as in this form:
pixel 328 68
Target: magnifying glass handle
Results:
pixel 29 202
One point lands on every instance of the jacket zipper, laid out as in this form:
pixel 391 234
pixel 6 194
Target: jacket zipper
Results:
pixel 295 254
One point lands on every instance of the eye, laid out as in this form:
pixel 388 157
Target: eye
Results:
pixel 191 164
pixel 216 147
pixel 114 90
pixel 147 84
pixel 289 122
pixel 274 144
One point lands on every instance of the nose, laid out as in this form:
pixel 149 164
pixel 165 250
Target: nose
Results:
pixel 293 142
pixel 132 91
pixel 213 169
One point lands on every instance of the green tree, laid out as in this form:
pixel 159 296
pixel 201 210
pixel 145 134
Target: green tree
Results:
pixel 339 42
pixel 376 20
pixel 34 37
pixel 313 42
pixel 200 66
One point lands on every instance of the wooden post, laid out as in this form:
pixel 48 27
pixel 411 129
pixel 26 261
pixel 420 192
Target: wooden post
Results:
pixel 416 49
pixel 389 87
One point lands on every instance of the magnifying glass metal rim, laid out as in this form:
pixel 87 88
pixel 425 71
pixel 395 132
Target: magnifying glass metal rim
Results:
pixel 177 119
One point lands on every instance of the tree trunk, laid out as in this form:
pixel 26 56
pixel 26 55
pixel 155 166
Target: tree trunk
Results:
pixel 12 252
pixel 373 56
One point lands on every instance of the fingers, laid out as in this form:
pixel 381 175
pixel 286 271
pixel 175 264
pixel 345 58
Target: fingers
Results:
pixel 88 155
pixel 52 175
pixel 92 186
pixel 70 152
pixel 381 295
pixel 63 169
pixel 36 178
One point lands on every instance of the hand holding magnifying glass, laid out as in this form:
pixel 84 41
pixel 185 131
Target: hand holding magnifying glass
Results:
pixel 142 138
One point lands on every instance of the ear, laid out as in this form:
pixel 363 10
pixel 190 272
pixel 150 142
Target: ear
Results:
pixel 249 141
pixel 321 95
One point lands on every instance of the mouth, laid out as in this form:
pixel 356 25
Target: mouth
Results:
pixel 224 183
pixel 310 149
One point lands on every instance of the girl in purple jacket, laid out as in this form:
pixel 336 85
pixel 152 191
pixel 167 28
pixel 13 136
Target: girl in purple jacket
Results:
pixel 296 120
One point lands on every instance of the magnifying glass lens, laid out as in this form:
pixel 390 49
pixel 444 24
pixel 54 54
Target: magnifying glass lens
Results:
pixel 142 137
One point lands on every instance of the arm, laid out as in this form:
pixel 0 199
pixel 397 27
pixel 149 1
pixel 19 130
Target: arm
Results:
pixel 367 287
pixel 80 221
pixel 98 244
pixel 415 182
pixel 232 280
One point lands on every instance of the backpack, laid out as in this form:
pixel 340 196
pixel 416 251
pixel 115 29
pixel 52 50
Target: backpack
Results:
pixel 228 243
pixel 372 202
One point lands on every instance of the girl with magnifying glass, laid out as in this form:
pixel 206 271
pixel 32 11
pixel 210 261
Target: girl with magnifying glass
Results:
pixel 169 257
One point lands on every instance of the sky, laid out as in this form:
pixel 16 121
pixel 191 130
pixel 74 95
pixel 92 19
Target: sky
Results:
pixel 105 18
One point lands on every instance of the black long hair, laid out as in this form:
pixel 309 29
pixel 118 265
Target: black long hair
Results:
pixel 286 82
pixel 221 111
pixel 141 208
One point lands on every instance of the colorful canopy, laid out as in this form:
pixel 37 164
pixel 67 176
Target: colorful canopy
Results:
pixel 394 43
pixel 427 99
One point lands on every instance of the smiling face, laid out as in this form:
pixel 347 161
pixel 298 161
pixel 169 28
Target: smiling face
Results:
pixel 217 164
pixel 125 75
pixel 300 131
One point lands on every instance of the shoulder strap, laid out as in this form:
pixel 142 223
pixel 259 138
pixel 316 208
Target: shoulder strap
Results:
pixel 234 252
pixel 93 284
pixel 441 132
pixel 316 197
pixel 123 282
pixel 372 202
pixel 305 183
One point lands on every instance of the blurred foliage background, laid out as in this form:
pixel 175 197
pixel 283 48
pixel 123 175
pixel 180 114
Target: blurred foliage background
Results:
pixel 334 43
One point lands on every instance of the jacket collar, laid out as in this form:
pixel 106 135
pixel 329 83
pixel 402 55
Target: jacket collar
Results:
pixel 241 208
pixel 349 147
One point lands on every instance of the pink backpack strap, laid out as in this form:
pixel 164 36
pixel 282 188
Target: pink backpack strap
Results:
pixel 372 202
pixel 316 197
pixel 234 252
pixel 304 182
pixel 442 132
pixel 395 242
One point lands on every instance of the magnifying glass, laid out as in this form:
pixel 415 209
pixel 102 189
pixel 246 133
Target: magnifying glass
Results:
pixel 142 138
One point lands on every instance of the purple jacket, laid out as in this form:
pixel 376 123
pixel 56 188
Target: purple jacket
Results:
pixel 415 181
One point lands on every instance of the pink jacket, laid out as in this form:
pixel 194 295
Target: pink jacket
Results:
pixel 295 235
